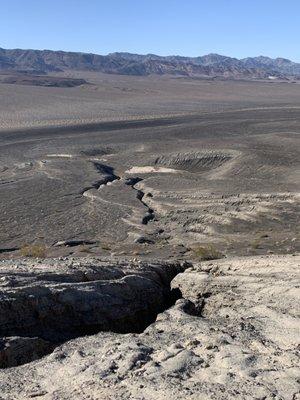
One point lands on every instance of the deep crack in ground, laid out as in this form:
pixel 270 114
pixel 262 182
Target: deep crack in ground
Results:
pixel 108 176
pixel 57 305
pixel 140 195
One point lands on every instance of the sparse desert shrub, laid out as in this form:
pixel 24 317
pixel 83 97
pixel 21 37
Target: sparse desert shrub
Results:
pixel 105 247
pixel 84 249
pixel 207 252
pixel 34 250
pixel 256 243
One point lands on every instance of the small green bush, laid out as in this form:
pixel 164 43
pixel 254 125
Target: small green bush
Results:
pixel 84 249
pixel 105 246
pixel 256 243
pixel 207 252
pixel 33 250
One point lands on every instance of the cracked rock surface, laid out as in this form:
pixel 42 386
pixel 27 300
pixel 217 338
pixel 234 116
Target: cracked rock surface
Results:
pixel 43 304
pixel 233 334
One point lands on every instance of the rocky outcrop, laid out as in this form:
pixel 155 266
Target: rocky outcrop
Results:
pixel 233 335
pixel 58 300
pixel 20 350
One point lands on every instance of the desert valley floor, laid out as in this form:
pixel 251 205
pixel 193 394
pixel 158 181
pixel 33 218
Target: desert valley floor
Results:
pixel 130 187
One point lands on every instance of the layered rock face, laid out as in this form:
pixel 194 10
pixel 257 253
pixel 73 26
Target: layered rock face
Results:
pixel 42 305
pixel 233 334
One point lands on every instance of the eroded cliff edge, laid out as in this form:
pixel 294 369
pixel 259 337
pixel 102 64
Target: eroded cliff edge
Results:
pixel 232 332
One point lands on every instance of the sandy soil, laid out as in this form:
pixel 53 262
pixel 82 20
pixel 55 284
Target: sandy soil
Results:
pixel 113 97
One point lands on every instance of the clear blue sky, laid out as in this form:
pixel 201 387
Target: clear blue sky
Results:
pixel 237 28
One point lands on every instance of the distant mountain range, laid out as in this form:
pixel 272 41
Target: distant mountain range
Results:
pixel 211 65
